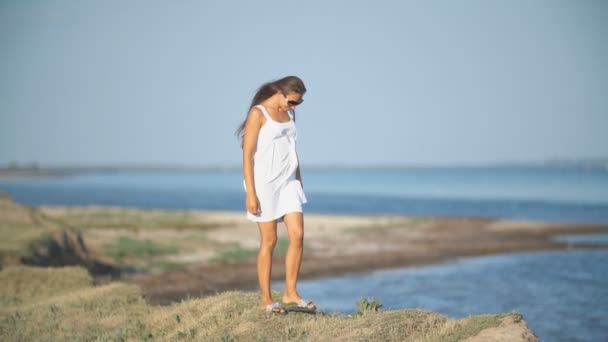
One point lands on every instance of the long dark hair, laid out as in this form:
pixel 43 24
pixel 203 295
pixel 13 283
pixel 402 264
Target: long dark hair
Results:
pixel 286 85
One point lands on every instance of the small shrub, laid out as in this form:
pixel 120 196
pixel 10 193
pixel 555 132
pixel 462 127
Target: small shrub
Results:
pixel 368 305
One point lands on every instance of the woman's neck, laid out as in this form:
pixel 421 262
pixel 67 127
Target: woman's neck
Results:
pixel 272 104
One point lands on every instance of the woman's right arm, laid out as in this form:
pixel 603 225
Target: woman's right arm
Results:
pixel 253 124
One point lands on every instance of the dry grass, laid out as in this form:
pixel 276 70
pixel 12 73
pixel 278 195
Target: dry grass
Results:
pixel 148 240
pixel 60 304
pixel 16 238
pixel 25 285
pixel 19 226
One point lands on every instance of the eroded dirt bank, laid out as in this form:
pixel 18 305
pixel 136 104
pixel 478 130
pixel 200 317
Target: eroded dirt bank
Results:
pixel 336 245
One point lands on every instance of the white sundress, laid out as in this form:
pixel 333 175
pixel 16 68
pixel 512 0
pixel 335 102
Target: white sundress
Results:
pixel 274 170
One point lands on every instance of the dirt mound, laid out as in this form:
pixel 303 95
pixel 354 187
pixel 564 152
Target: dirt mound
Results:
pixel 33 238
pixel 67 248
pixel 510 329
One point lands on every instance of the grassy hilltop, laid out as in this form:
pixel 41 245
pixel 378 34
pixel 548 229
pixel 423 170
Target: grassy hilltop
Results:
pixel 51 304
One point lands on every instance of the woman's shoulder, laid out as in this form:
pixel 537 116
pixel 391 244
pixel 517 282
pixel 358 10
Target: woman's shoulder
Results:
pixel 255 109
pixel 255 113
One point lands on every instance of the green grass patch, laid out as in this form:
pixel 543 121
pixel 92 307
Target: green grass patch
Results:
pixel 233 252
pixel 166 265
pixel 131 248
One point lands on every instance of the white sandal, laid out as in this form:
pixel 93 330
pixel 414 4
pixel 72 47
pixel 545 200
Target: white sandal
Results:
pixel 274 306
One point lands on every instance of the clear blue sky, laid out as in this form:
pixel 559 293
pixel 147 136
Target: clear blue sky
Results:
pixel 390 82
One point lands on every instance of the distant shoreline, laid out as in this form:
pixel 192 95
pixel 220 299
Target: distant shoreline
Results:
pixel 480 193
pixel 34 170
pixel 14 173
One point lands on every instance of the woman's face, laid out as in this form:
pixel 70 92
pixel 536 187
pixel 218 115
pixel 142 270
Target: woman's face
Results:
pixel 291 101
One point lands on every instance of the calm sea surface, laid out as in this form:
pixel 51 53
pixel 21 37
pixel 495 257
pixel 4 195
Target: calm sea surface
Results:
pixel 572 194
pixel 562 295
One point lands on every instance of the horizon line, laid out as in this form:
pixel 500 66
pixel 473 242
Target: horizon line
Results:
pixel 15 166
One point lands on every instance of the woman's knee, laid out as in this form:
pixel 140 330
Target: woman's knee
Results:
pixel 296 238
pixel 268 242
pixel 268 235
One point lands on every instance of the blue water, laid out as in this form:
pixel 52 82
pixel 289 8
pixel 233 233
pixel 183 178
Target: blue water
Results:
pixel 562 295
pixel 567 194
pixel 592 239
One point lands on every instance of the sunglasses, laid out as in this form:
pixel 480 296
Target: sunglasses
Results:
pixel 294 103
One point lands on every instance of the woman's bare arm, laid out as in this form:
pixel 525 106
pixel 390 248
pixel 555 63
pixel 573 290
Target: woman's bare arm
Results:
pixel 255 120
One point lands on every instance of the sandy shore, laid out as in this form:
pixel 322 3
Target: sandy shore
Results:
pixel 337 244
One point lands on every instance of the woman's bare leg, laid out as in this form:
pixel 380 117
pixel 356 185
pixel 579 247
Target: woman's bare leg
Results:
pixel 268 239
pixel 295 230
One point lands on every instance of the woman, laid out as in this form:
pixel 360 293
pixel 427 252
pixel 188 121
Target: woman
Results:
pixel 273 183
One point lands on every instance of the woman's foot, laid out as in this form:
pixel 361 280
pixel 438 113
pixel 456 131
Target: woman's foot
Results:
pixel 275 308
pixel 299 302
